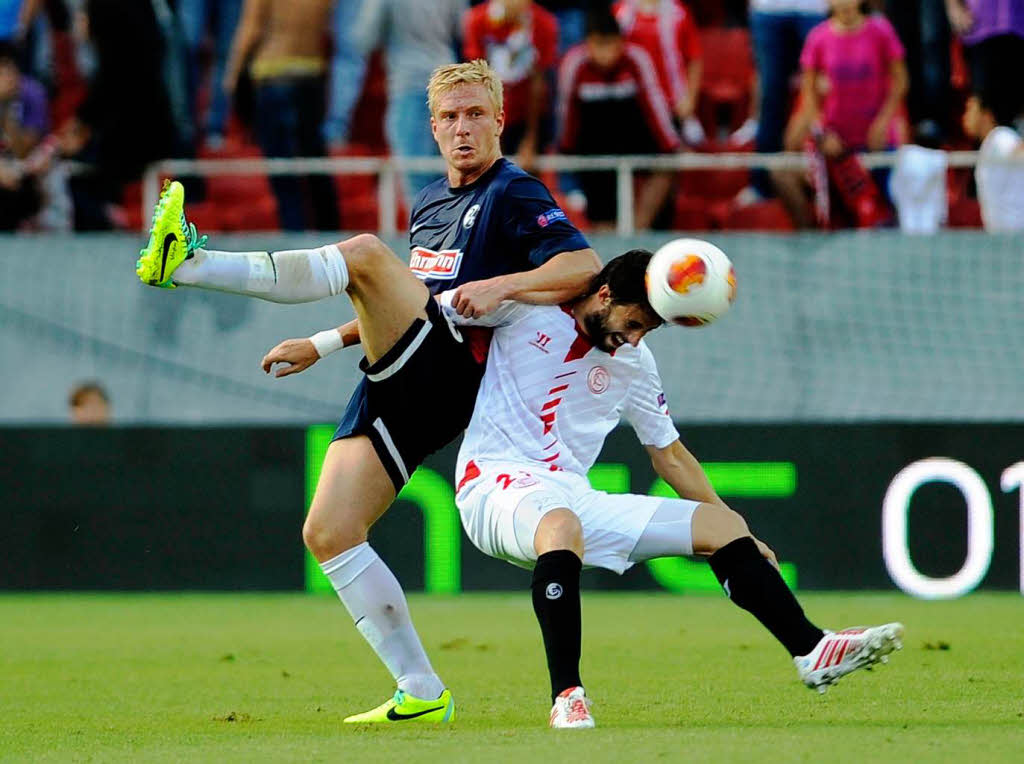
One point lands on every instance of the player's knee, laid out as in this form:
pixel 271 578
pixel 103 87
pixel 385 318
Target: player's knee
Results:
pixel 326 541
pixel 715 525
pixel 559 529
pixel 362 252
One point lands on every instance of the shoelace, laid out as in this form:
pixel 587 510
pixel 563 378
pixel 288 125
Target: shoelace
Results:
pixel 578 710
pixel 193 240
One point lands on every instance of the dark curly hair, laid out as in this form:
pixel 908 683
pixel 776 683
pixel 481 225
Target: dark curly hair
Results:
pixel 625 276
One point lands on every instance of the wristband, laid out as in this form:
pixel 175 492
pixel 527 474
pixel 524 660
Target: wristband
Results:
pixel 327 342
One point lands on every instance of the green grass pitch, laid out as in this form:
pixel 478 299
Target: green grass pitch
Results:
pixel 223 677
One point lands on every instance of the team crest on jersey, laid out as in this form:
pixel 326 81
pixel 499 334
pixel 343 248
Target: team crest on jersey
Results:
pixel 470 216
pixel 598 380
pixel 428 264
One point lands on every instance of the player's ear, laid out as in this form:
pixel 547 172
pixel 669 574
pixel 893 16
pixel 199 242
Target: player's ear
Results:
pixel 500 119
pixel 604 294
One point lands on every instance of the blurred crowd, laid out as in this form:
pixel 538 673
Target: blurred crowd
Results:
pixel 117 84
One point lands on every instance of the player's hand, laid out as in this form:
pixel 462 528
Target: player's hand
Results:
pixel 298 354
pixel 478 298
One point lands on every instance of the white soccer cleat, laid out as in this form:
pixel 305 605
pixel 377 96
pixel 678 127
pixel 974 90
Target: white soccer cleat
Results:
pixel 839 653
pixel 571 710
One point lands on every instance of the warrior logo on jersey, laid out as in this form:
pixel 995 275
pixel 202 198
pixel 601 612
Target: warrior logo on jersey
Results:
pixel 470 218
pixel 598 380
pixel 428 264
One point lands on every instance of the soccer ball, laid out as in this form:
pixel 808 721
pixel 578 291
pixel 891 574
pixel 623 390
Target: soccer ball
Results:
pixel 690 282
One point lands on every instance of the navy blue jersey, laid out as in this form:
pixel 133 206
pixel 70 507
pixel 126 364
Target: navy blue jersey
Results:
pixel 504 222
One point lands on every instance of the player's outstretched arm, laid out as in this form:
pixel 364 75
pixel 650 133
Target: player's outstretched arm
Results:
pixel 300 354
pixel 681 470
pixel 561 278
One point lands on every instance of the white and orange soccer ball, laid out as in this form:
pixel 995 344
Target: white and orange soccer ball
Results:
pixel 690 282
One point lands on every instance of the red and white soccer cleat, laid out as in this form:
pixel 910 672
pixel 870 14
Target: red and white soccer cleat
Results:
pixel 839 653
pixel 571 710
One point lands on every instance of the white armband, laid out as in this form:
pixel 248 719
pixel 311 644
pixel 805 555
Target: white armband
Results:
pixel 327 342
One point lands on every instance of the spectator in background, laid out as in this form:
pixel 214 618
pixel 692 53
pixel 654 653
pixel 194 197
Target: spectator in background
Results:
pixel 572 19
pixel 89 405
pixel 924 32
pixel 126 119
pixel 852 88
pixel 348 71
pixel 283 44
pixel 667 31
pixel 220 18
pixel 519 39
pixel 1000 171
pixel 23 122
pixel 778 29
pixel 416 42
pixel 993 35
pixel 610 102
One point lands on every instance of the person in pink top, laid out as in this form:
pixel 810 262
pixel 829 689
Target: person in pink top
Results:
pixel 851 99
pixel 666 29
pixel 853 83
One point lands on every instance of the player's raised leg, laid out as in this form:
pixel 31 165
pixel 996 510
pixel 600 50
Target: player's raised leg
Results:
pixel 175 256
pixel 748 572
pixel 558 543
pixel 353 492
pixel 387 297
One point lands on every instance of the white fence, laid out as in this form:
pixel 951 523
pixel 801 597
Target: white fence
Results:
pixel 388 169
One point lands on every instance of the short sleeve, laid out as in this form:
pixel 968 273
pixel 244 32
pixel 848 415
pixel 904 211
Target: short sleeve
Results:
pixel 1001 143
pixel 892 48
pixel 811 58
pixel 646 408
pixel 505 314
pixel 536 223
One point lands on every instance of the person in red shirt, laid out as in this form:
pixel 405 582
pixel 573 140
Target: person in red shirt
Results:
pixel 610 102
pixel 667 31
pixel 519 39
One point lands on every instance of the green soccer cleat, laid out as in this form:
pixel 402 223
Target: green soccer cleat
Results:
pixel 172 239
pixel 404 707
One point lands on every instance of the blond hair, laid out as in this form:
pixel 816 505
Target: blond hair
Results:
pixel 479 72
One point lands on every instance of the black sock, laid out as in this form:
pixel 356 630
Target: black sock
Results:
pixel 755 585
pixel 556 601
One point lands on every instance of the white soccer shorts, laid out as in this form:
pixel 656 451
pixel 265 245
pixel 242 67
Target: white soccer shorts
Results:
pixel 502 508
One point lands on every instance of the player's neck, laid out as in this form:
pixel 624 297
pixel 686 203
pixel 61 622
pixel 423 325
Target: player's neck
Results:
pixel 457 178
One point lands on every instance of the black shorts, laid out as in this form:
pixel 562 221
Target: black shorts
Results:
pixel 416 398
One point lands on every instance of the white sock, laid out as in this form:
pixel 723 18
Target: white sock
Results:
pixel 374 599
pixel 297 275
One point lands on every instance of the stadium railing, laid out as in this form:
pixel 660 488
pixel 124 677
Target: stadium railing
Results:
pixel 389 168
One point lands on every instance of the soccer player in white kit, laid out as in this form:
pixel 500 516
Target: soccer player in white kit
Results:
pixel 558 379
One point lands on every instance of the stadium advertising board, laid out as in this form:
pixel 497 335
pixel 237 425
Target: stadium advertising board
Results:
pixel 934 510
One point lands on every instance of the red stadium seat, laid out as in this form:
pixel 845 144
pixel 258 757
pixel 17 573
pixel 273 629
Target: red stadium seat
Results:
pixel 713 184
pixel 728 79
pixel 965 213
pixel 768 215
pixel 691 214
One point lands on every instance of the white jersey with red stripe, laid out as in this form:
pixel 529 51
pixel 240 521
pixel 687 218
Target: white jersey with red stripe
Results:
pixel 549 398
